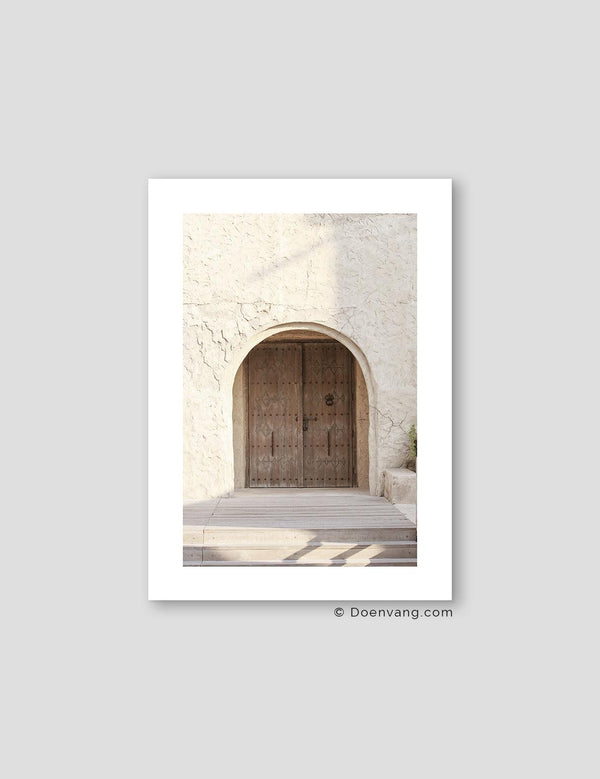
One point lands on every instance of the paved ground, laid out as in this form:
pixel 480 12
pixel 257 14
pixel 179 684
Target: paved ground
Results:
pixel 298 527
pixel 310 508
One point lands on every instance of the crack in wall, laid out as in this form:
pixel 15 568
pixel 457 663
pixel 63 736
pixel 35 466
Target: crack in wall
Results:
pixel 352 273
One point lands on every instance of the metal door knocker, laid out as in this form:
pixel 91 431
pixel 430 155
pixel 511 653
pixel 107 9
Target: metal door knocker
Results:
pixel 306 420
pixel 329 400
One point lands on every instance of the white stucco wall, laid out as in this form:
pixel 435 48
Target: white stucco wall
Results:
pixel 247 276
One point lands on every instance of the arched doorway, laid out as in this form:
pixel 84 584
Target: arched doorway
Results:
pixel 300 418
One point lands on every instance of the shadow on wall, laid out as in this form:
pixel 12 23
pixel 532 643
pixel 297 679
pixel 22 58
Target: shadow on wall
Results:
pixel 333 272
pixel 344 268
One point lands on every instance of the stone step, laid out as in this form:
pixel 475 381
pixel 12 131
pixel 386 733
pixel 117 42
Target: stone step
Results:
pixel 405 562
pixel 295 536
pixel 302 553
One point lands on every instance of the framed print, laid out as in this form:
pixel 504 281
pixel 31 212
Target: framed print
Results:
pixel 300 409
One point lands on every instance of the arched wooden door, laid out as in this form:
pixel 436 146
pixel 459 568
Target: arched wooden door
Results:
pixel 300 415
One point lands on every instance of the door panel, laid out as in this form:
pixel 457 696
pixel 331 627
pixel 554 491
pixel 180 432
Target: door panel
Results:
pixel 327 395
pixel 275 416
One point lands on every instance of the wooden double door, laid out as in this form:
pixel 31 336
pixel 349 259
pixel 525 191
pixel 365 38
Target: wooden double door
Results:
pixel 300 415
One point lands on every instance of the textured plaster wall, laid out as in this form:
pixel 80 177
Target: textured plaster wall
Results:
pixel 244 275
pixel 240 389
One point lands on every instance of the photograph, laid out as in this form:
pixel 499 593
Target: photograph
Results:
pixel 300 389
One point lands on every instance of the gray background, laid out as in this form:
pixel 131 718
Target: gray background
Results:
pixel 97 99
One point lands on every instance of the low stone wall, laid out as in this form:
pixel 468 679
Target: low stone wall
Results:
pixel 400 485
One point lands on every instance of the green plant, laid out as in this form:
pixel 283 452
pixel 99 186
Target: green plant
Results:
pixel 412 435
pixel 412 457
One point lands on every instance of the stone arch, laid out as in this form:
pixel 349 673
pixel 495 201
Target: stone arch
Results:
pixel 233 370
